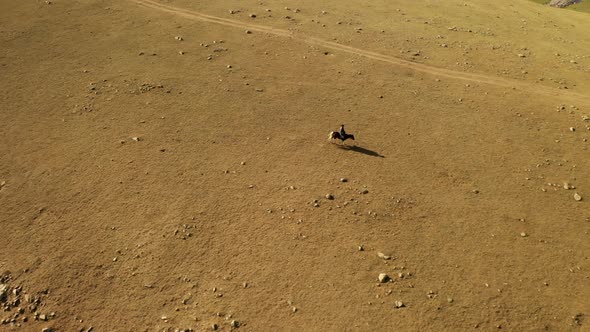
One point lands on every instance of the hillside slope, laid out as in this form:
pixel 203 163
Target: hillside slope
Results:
pixel 165 166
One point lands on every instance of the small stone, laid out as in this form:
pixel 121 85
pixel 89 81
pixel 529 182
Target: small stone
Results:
pixel 572 129
pixel 329 196
pixel 235 323
pixel 229 66
pixel 521 55
pixel 214 327
pixel 577 197
pixel 398 304
pixel 343 180
pixel 248 32
pixel 136 139
pixel 178 38
pixel 3 292
pixel 523 234
pixel 164 318
pixel 43 317
pixel 383 277
pixel 361 248
pixel 450 299
pixel 383 256
pixel 252 15
pixel 567 186
pixel 47 329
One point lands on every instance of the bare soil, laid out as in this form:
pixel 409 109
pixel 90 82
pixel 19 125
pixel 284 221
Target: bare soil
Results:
pixel 165 166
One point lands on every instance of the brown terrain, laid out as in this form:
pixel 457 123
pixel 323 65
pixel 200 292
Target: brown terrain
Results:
pixel 165 166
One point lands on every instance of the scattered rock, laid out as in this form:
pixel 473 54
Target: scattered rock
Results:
pixel 343 180
pixel 521 55
pixel 3 292
pixel 248 32
pixel 252 15
pixel 567 186
pixel 562 3
pixel 329 196
pixel 398 304
pixel 577 197
pixel 383 277
pixel 235 323
pixel 361 248
pixel 383 256
pixel 178 38
pixel 364 192
pixel 523 234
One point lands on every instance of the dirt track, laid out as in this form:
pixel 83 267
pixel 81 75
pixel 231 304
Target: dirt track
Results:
pixel 469 77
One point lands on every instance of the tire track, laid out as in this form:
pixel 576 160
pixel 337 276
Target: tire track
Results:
pixel 458 75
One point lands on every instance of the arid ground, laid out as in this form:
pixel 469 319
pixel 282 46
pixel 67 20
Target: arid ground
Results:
pixel 165 166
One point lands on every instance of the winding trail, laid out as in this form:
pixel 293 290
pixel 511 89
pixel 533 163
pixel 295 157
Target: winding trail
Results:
pixel 570 96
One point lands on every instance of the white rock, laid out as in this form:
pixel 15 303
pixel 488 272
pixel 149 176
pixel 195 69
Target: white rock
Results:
pixel 398 304
pixel 383 277
pixel 3 291
pixel 577 197
pixel 383 256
